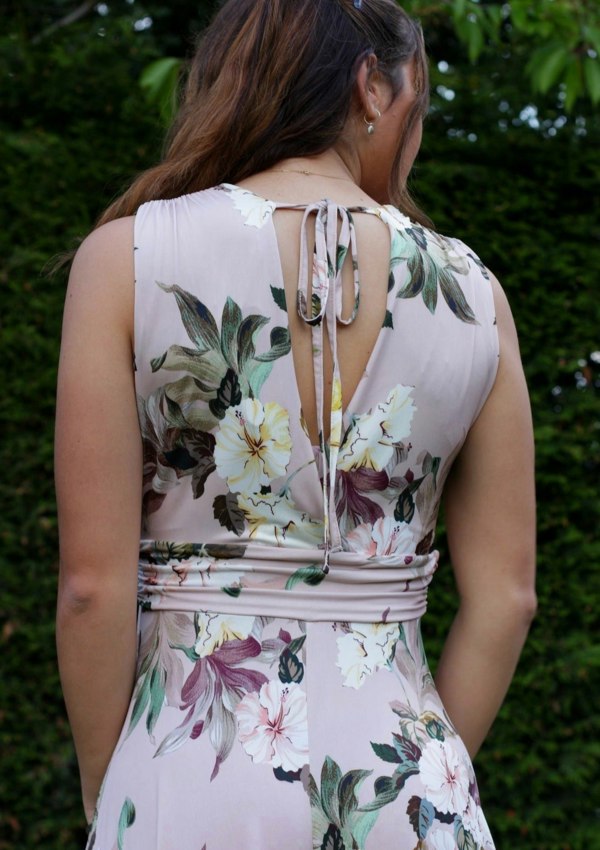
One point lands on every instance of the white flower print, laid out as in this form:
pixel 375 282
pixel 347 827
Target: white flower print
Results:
pixel 475 822
pixel 371 437
pixel 215 629
pixel 253 445
pixel 440 839
pixel 255 210
pixel 275 520
pixel 445 776
pixel 444 255
pixel 273 727
pixel 385 537
pixel 391 215
pixel 364 649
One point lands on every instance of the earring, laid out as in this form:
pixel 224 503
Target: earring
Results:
pixel 371 124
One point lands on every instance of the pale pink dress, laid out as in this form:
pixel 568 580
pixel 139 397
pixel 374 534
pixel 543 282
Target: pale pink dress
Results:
pixel 283 698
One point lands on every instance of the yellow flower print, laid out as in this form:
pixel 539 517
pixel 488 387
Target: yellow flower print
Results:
pixel 370 441
pixel 275 520
pixel 215 629
pixel 253 445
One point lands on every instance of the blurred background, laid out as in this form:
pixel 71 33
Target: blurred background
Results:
pixel 510 164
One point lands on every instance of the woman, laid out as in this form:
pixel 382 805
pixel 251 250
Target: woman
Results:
pixel 285 444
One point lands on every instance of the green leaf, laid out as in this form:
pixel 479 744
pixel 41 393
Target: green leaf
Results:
pixel 408 753
pixel 246 336
pixel 421 814
pixel 573 82
pixel 140 702
pixel 547 64
pixel 228 395
pixel 230 323
pixel 290 668
pixel 386 791
pixel 330 779
pixel 312 574
pixel 159 82
pixel 126 819
pixel 475 40
pixel 297 643
pixel 455 297
pixel 278 294
pixel 280 345
pixel 197 319
pixel 464 839
pixel 386 752
pixel 405 507
pixel 591 73
pixel 592 34
pixel 157 697
pixel 228 513
pixel 332 840
pixel 348 786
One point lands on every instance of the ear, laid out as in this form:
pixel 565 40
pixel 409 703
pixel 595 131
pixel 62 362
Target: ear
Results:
pixel 372 90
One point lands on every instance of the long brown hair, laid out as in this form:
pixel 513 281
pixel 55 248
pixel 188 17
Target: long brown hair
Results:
pixel 273 79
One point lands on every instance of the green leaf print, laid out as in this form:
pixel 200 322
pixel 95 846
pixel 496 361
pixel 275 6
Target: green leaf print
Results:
pixel 335 812
pixel 291 668
pixel 228 513
pixel 230 323
pixel 312 574
pixel 158 680
pixel 278 294
pixel 421 814
pixel 464 839
pixel 386 752
pixel 280 346
pixel 332 840
pixel 126 819
pixel 386 791
pixel 432 263
pixel 228 395
pixel 330 778
pixel 408 753
pixel 388 321
pixel 405 507
pixel 246 337
pixel 197 319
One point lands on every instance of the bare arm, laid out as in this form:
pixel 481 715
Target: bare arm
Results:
pixel 98 482
pixel 490 518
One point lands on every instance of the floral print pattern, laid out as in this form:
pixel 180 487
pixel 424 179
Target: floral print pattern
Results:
pixel 273 727
pixel 282 688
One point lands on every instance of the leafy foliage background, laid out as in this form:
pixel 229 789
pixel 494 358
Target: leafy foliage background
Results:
pixel 517 178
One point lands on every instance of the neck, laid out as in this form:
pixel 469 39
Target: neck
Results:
pixel 331 163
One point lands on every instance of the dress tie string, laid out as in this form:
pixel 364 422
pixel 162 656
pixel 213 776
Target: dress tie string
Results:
pixel 325 307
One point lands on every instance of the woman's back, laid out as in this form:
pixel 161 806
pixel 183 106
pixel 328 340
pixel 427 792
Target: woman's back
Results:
pixel 275 631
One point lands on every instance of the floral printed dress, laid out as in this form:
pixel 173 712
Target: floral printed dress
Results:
pixel 283 699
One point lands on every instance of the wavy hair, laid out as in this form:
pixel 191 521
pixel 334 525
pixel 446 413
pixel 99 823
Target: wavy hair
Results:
pixel 273 79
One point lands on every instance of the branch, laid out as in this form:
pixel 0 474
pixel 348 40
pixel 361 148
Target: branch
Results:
pixel 80 12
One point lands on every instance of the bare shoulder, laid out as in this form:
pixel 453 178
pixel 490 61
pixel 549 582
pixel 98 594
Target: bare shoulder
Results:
pixel 101 281
pixel 507 331
pixel 112 242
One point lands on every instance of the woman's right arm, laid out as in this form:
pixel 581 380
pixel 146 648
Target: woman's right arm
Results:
pixel 490 521
pixel 98 463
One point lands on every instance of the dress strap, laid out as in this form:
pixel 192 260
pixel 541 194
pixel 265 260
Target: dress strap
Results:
pixel 325 307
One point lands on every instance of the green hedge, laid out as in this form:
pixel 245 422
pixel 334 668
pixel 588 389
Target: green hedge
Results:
pixel 76 130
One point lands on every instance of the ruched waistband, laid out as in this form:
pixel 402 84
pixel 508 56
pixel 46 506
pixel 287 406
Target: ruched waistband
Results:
pixel 284 582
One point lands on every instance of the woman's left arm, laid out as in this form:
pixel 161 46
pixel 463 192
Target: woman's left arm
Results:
pixel 98 463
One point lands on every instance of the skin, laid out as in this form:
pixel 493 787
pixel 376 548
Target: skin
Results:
pixel 489 498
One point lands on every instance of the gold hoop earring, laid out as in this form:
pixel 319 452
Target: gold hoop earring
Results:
pixel 371 123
